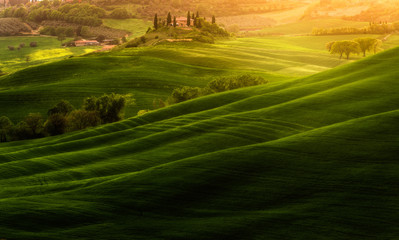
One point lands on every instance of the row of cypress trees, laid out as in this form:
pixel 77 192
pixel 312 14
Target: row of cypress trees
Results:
pixel 190 17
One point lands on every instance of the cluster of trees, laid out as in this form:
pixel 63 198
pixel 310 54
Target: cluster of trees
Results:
pixel 215 86
pixel 192 20
pixel 358 45
pixel 373 28
pixel 63 117
pixel 203 31
pixel 120 13
pixel 83 14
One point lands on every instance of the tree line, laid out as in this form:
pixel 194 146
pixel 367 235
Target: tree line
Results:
pixel 217 85
pixel 83 14
pixel 356 46
pixel 192 20
pixel 63 117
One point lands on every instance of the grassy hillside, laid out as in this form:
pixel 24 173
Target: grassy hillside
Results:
pixel 153 72
pixel 307 158
pixel 49 49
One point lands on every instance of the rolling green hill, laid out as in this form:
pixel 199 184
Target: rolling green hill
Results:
pixel 308 158
pixel 48 49
pixel 153 72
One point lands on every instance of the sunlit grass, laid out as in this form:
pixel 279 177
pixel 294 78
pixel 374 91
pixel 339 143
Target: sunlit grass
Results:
pixel 49 49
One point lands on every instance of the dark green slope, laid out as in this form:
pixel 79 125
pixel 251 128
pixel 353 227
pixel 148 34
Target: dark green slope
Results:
pixel 312 158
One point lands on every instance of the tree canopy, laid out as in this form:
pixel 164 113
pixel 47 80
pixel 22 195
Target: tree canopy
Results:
pixel 345 47
pixel 366 44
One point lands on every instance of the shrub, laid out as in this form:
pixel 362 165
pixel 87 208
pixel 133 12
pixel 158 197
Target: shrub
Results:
pixel 230 83
pixel 21 131
pixel 34 123
pixel 185 93
pixel 109 107
pixel 63 108
pixel 11 48
pixel 81 119
pixel 33 44
pixel 56 124
pixel 142 112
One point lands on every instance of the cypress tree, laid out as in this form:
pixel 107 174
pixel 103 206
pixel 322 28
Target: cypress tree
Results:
pixel 169 20
pixel 213 19
pixel 197 14
pixel 174 21
pixel 156 21
pixel 188 19
pixel 193 16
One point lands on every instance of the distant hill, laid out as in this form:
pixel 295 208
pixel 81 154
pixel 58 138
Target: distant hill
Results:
pixel 209 7
pixel 366 11
pixel 306 158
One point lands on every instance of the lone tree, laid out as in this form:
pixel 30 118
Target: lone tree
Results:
pixel 169 20
pixel 174 21
pixel 188 19
pixel 345 47
pixel 213 19
pixel 366 44
pixel 156 21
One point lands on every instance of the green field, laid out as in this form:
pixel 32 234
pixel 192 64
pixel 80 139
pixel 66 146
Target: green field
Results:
pixel 137 27
pixel 49 49
pixel 306 158
pixel 153 72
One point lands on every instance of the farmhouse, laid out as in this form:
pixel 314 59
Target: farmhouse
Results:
pixel 81 43
pixel 181 21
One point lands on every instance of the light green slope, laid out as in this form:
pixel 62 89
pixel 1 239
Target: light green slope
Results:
pixel 311 158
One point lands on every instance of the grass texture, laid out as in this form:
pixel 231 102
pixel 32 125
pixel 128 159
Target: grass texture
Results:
pixel 306 158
